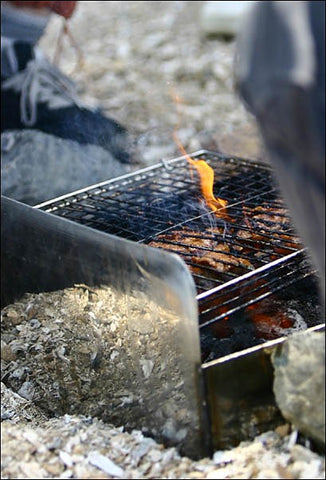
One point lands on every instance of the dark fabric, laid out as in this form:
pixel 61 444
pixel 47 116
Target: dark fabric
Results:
pixel 290 109
pixel 73 123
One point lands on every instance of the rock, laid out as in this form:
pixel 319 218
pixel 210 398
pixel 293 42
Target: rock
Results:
pixel 223 18
pixel 299 382
pixel 105 464
pixel 31 469
pixel 27 390
pixel 302 454
pixel 283 430
pixel 17 409
pixel 6 352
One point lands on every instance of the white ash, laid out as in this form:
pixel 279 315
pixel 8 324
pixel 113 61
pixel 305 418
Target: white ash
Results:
pixel 74 363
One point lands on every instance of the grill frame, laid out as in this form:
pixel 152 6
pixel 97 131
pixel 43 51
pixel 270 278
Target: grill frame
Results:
pixel 120 190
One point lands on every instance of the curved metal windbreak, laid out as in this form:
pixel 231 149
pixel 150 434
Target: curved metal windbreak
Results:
pixel 155 298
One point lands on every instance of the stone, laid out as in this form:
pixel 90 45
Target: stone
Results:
pixel 105 464
pixel 223 18
pixel 299 382
pixel 27 390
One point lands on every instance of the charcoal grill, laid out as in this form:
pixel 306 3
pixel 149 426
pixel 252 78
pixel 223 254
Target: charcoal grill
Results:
pixel 162 206
pixel 262 266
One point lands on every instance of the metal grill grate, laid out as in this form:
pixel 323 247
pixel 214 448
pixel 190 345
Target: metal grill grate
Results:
pixel 160 196
pixel 162 206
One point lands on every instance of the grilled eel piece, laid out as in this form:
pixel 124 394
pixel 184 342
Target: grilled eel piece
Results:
pixel 269 224
pixel 200 249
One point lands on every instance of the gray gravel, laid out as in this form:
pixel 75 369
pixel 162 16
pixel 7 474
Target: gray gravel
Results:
pixel 137 56
pixel 84 447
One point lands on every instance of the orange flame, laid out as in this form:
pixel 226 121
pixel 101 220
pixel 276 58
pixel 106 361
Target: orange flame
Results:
pixel 206 173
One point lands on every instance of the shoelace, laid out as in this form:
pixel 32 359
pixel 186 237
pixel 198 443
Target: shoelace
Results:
pixel 41 82
pixel 8 51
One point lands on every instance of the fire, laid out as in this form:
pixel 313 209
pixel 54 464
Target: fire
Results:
pixel 270 322
pixel 206 173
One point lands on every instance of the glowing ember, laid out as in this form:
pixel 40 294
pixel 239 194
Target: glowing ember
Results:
pixel 270 322
pixel 206 174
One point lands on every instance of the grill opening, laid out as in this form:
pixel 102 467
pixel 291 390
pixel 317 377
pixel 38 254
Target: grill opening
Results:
pixel 236 260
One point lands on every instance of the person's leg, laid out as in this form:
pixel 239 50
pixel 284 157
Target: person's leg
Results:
pixel 36 95
pixel 51 144
pixel 280 74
